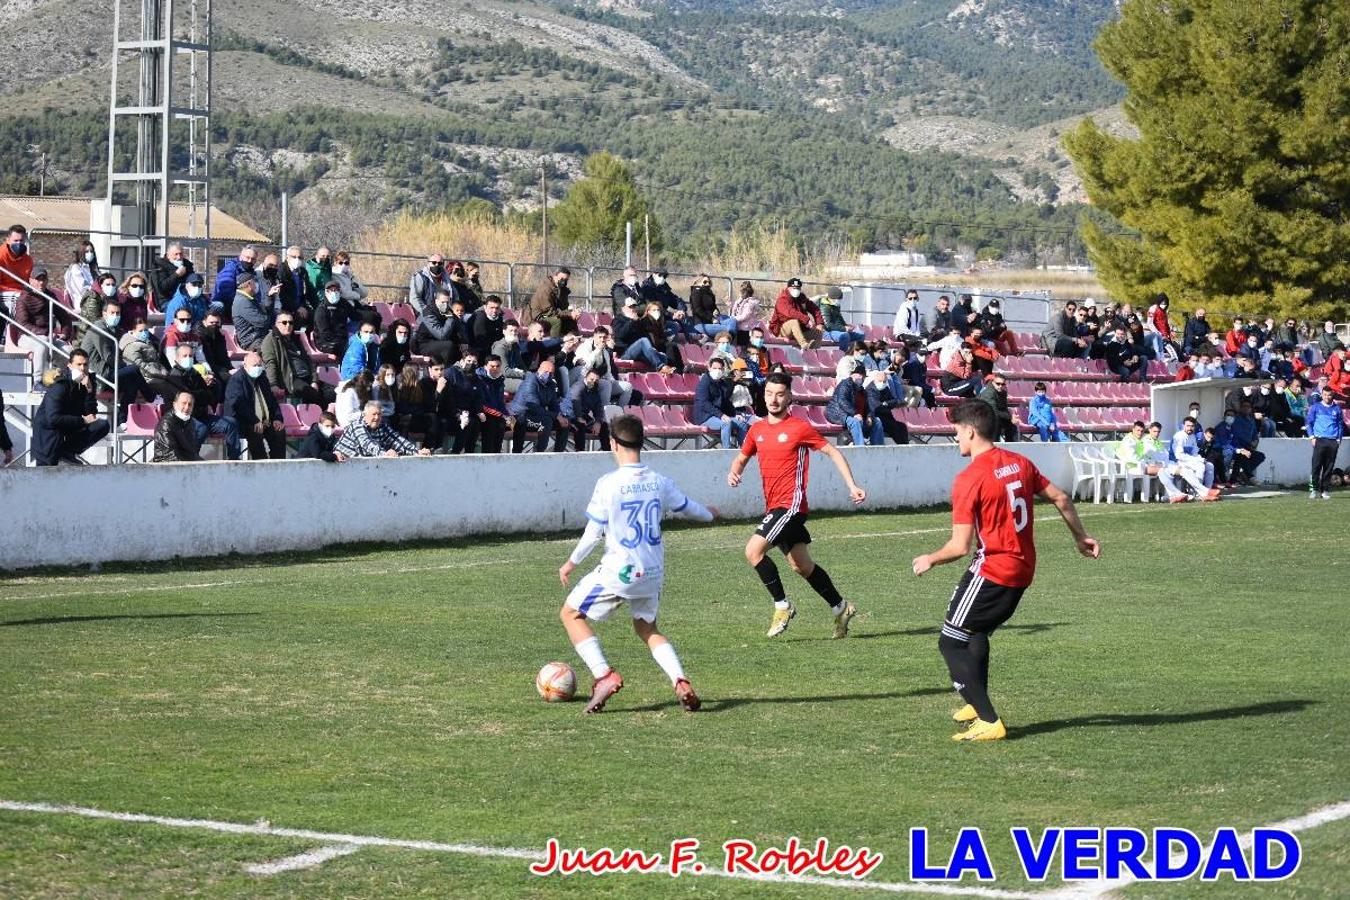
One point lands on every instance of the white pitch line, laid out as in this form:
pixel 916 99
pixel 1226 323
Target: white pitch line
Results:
pixel 307 860
pixel 353 842
pixel 1091 891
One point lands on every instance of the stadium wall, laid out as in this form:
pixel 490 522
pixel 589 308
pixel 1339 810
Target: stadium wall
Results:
pixel 76 516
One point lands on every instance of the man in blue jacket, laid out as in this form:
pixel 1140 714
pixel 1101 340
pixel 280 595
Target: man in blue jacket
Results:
pixel 227 280
pixel 492 395
pixel 713 408
pixel 362 353
pixel 190 296
pixel 1326 427
pixel 537 407
pixel 250 402
pixel 846 408
pixel 584 408
pixel 1244 434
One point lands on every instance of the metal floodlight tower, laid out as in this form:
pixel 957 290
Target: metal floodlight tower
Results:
pixel 159 129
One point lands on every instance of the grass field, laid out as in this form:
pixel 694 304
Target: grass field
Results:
pixel 1195 676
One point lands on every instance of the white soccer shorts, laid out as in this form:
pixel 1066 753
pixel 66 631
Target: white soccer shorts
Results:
pixel 596 598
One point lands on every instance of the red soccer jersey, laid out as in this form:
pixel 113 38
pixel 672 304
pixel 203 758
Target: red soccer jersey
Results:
pixel 784 460
pixel 994 493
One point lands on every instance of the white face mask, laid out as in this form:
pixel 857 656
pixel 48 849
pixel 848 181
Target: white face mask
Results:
pixel 136 292
pixel 389 380
pixel 254 371
pixel 658 279
pixel 716 374
pixel 182 416
pixel 88 257
pixel 194 291
pixel 655 314
pixel 340 269
pixel 402 338
pixel 292 264
pixel 794 293
pixel 630 280
pixel 332 296
pixel 183 327
pixel 109 290
pixel 326 431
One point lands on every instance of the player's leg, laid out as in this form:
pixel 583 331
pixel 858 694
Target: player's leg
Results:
pixel 757 555
pixel 799 557
pixel 590 602
pixel 663 652
pixel 974 614
pixel 954 645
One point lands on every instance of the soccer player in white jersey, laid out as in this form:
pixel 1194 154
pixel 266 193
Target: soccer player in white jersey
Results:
pixel 625 512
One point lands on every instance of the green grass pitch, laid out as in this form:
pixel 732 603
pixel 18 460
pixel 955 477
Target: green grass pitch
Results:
pixel 1194 676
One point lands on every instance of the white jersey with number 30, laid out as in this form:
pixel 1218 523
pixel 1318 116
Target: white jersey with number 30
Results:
pixel 629 504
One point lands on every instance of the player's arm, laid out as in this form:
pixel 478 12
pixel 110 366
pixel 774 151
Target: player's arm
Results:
pixel 737 467
pixel 590 539
pixel 957 546
pixel 1087 546
pixel 855 492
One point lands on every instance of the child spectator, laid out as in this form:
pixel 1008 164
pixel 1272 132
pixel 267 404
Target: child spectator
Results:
pixel 1041 415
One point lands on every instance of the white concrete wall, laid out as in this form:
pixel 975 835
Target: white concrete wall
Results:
pixel 158 512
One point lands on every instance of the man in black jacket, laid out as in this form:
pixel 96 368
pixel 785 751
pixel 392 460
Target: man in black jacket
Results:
pixel 440 333
pixel 487 326
pixel 175 436
pixel 216 352
pixel 67 422
pixel 183 377
pixel 995 393
pixel 250 402
pixel 1123 359
pixel 168 273
pixel 331 316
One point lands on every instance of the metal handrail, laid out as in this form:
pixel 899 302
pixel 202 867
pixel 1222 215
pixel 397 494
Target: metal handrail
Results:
pixel 54 349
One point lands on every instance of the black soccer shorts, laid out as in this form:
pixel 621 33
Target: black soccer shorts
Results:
pixel 979 606
pixel 784 530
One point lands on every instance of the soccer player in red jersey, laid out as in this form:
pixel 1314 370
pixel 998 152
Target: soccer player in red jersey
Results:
pixel 783 444
pixel 991 503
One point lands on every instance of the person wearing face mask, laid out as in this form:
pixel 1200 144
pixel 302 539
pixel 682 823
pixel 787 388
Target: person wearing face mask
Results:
pixel 550 307
pixel 515 361
pixel 250 402
pixel 186 375
pixel 908 325
pixel 631 341
pixel 796 318
pixel 351 290
pixel 703 309
pixel 848 409
pixel 91 304
pixel 653 326
pixel 134 297
pixel 471 289
pixel 468 391
pixel 596 354
pixel 215 353
pixel 170 272
pixel 321 442
pixel 723 349
pixel 486 326
pixel 881 405
pixel 997 330
pixel 67 423
pixel 175 437
pixel 537 407
pixel 440 333
pixel 139 349
pixel 745 310
pixel 43 322
pixel 319 271
pixel 1041 416
pixel 584 408
pixel 296 295
pixel 655 288
pixel 626 288
pixel 100 345
pixel 179 331
pixel 16 266
pixel 713 409
pixel 438 401
pixel 1245 434
pixel 427 281
pixel 227 280
pixel 857 356
pixel 363 353
pixel 396 348
pixel 190 297
pixel 252 314
pixel 82 274
pixel 836 329
pixel 384 391
pixel 332 321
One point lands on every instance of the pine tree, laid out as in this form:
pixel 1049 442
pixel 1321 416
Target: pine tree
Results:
pixel 598 206
pixel 1238 184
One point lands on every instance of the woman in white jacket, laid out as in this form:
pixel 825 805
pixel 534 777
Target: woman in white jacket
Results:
pixel 352 396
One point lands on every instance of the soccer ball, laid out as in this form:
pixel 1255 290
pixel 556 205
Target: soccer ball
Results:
pixel 556 682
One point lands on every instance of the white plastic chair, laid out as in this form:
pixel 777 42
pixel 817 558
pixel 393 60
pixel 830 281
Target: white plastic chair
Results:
pixel 1088 471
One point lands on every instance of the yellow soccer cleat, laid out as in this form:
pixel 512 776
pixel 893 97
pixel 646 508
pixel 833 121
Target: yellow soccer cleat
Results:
pixel 841 621
pixel 980 730
pixel 781 618
pixel 966 713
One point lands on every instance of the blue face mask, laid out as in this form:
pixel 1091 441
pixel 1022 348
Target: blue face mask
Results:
pixel 367 337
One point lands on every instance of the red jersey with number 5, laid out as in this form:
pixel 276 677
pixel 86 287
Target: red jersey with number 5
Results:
pixel 994 493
